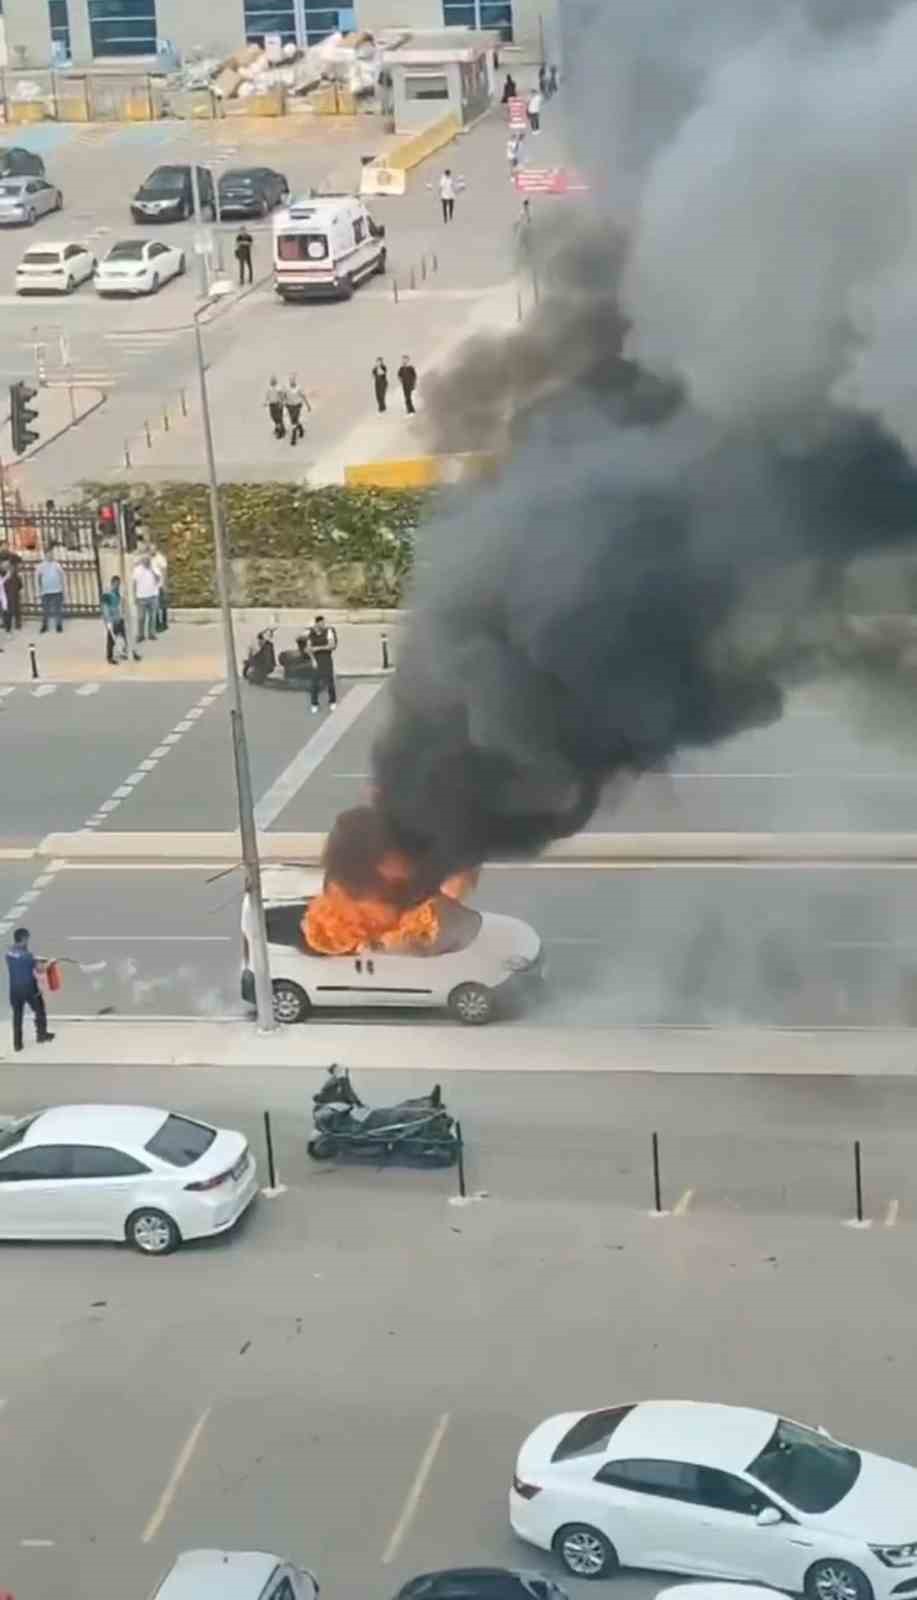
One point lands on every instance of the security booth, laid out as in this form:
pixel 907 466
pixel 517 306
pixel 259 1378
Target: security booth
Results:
pixel 434 75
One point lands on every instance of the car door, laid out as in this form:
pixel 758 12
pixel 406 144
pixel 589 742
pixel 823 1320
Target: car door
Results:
pixel 102 1189
pixel 42 196
pixel 661 1516
pixel 34 1192
pixel 390 978
pixel 77 262
pixel 158 261
pixel 776 1553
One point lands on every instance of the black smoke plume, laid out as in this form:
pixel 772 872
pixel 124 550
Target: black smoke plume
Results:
pixel 668 546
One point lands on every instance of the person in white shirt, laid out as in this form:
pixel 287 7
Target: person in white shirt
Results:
pixel 447 194
pixel 146 594
pixel 536 101
pixel 160 564
pixel 50 576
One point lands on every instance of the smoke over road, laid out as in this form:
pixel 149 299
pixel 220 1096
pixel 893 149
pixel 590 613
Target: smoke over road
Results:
pixel 710 418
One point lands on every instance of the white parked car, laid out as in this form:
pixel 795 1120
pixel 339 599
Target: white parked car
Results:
pixel 24 200
pixel 235 1575
pixel 54 267
pixel 502 961
pixel 720 1491
pixel 137 1173
pixel 138 266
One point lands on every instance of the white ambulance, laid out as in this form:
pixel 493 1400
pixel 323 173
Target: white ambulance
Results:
pixel 324 245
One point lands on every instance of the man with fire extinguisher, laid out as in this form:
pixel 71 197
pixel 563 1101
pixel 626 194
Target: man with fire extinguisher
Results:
pixel 23 968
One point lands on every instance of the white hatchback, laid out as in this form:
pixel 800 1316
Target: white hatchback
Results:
pixel 235 1575
pixel 54 267
pixel 152 1177
pixel 138 266
pixel 501 962
pixel 718 1491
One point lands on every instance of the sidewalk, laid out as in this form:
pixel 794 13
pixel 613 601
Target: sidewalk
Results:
pixel 236 1045
pixel 189 652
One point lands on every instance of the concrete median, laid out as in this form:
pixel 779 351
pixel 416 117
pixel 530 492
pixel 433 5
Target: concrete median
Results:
pixel 624 850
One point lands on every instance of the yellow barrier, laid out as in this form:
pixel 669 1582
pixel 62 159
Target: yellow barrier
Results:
pixel 422 472
pixel 411 151
pixel 26 111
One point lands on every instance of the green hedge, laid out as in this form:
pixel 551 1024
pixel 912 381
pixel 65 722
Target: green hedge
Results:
pixel 288 545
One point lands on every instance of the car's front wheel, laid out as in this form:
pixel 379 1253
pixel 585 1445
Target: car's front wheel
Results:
pixel 154 283
pixel 152 1232
pixel 837 1580
pixel 71 284
pixel 585 1552
pixel 291 1003
pixel 473 1004
pixel 181 264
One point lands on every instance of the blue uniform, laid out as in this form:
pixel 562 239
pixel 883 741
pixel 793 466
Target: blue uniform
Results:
pixel 22 967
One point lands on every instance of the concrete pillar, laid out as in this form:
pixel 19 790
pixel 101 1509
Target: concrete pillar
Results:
pixel 28 33
pixel 216 30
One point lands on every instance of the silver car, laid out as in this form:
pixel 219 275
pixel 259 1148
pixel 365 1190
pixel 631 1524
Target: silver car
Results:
pixel 24 200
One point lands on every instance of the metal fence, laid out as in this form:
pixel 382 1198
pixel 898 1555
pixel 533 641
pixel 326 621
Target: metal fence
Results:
pixel 70 534
pixel 29 96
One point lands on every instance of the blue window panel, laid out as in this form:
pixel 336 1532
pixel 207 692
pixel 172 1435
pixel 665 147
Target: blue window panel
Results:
pixel 460 14
pixel 498 16
pixel 320 21
pixel 123 27
pixel 269 16
pixel 60 27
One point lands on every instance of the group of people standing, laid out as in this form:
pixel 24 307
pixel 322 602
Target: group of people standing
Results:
pixel 286 401
pixel 149 580
pixel 407 377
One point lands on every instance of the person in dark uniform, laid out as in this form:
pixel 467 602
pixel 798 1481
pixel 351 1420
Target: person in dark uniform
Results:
pixel 275 400
pixel 407 377
pixel 23 969
pixel 13 583
pixel 244 242
pixel 380 382
pixel 321 642
pixel 509 89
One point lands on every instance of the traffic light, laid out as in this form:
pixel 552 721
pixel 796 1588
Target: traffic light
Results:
pixel 21 414
pixel 107 523
pixel 129 522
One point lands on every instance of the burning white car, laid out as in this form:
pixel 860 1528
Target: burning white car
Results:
pixel 501 960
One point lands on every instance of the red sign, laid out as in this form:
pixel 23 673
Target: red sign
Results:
pixel 549 180
pixel 518 116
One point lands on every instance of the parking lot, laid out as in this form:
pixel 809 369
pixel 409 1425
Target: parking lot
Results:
pixel 353 1385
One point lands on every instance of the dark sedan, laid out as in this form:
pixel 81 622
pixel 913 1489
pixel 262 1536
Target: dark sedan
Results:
pixel 17 162
pixel 481 1583
pixel 251 191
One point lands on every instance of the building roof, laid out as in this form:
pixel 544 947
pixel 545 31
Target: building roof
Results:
pixel 438 45
pixel 685 1430
pixel 218 1575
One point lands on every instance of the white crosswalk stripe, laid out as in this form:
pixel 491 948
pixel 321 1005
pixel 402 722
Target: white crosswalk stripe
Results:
pixel 41 691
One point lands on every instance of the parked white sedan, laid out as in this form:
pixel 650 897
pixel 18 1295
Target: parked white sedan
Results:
pixel 720 1491
pixel 137 1173
pixel 54 267
pixel 138 266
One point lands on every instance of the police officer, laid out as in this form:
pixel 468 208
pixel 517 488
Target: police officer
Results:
pixel 321 642
pixel 23 968
pixel 243 253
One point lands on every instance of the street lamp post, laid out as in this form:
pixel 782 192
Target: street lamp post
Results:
pixel 248 833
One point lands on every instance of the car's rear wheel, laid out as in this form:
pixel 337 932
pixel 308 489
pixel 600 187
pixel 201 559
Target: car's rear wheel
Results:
pixel 291 1003
pixel 182 264
pixel 59 203
pixel 473 1004
pixel 837 1580
pixel 154 284
pixel 381 261
pixel 152 1232
pixel 585 1552
pixel 71 285
pixel 30 218
pixel 322 1147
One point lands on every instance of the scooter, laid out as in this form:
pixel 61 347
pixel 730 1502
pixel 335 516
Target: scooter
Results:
pixel 261 659
pixel 419 1129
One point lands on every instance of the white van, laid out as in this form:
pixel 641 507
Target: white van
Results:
pixel 235 1575
pixel 500 962
pixel 324 246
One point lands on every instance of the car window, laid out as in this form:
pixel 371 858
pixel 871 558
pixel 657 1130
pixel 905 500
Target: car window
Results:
pixel 724 1492
pixel 16 1131
pixel 805 1467
pixel 157 250
pixel 180 1141
pixel 74 250
pixel 675 1480
pixel 97 1161
pixel 284 924
pixel 283 1591
pixel 591 1435
pixel 126 250
pixel 35 1163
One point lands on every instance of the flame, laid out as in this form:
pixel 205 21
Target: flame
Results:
pixel 337 924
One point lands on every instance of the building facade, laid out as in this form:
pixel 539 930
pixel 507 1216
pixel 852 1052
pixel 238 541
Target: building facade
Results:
pixel 42 33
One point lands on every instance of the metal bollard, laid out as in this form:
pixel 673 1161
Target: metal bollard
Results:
pixel 386 663
pixel 33 660
pixel 149 437
pixel 395 290
pixel 271 1168
pixel 461 1160
pixel 165 422
pixel 183 401
pixel 435 259
pixel 657 1186
pixel 127 453
pixel 423 269
pixel 518 305
pixel 858 1178
pixel 413 278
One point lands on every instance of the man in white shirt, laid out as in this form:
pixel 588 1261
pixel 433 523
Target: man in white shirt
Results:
pixel 536 101
pixel 160 563
pixel 447 194
pixel 146 594
pixel 50 577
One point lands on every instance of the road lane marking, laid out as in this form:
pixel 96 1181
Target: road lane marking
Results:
pixel 172 738
pixel 310 757
pixel 150 938
pixel 683 1204
pixel 89 688
pixel 891 1215
pixel 147 766
pixel 409 1509
pixel 36 1544
pixel 108 806
pixel 182 727
pixel 42 690
pixel 160 751
pixel 182 1463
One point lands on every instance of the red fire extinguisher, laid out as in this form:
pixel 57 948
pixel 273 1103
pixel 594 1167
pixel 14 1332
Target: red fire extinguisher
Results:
pixel 53 976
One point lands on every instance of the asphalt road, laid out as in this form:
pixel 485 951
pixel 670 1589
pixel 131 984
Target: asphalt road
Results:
pixel 283 1387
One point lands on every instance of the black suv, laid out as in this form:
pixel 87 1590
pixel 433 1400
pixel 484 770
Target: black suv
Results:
pixel 17 162
pixel 252 191
pixel 481 1583
pixel 167 196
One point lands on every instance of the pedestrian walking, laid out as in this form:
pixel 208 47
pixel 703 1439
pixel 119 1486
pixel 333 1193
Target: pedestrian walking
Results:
pixel 513 152
pixel 509 89
pixel 380 382
pixel 275 401
pixel 23 968
pixel 295 402
pixel 12 583
pixel 160 565
pixel 553 84
pixel 50 578
pixel 243 253
pixel 407 377
pixel 536 101
pixel 447 194
pixel 542 80
pixel 113 618
pixel 321 643
pixel 146 595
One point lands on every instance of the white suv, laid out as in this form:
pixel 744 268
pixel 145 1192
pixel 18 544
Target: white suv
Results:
pixel 500 964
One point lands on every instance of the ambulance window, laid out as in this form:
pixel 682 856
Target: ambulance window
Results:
pixel 302 247
pixel 359 231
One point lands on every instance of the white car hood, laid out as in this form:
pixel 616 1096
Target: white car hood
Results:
pixel 881 1508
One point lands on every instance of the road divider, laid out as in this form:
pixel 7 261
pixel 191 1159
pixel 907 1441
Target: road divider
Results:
pixel 623 851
